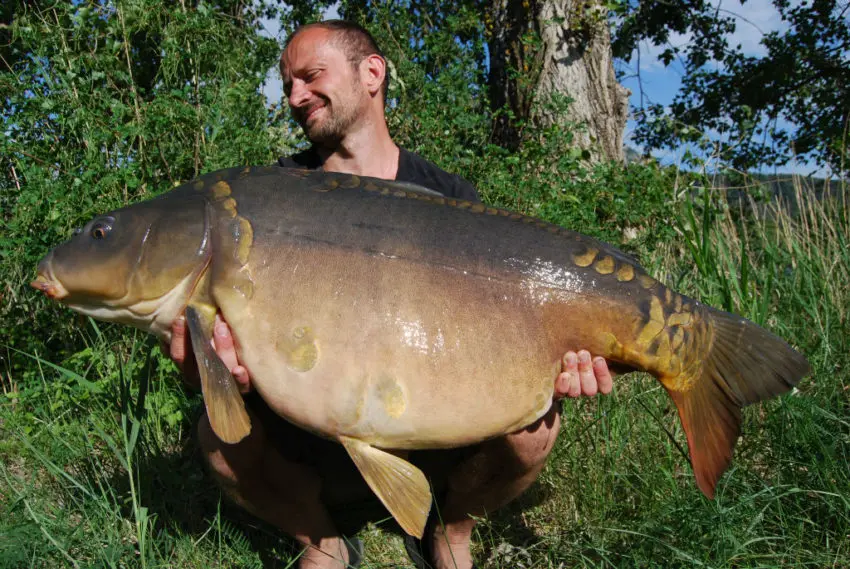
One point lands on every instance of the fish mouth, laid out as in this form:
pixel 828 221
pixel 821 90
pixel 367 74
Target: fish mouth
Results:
pixel 46 283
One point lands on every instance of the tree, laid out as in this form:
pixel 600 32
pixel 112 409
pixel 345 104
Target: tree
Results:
pixel 107 102
pixel 542 50
pixel 794 101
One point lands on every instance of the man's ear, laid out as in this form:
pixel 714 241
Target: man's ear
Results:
pixel 373 69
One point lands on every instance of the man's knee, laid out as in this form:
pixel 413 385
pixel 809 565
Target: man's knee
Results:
pixel 254 467
pixel 508 461
pixel 532 445
pixel 230 463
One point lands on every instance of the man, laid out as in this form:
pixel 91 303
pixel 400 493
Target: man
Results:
pixel 335 82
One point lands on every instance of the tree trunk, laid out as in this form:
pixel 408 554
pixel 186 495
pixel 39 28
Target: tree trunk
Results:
pixel 541 48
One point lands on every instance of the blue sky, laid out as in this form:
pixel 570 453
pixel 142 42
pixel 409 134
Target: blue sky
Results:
pixel 660 84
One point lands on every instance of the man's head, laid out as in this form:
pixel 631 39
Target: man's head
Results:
pixel 334 77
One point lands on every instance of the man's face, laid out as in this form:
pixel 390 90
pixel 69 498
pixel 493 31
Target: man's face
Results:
pixel 324 90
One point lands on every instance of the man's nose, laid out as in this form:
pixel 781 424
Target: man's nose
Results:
pixel 298 94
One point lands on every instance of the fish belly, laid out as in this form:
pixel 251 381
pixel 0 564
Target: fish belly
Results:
pixel 392 352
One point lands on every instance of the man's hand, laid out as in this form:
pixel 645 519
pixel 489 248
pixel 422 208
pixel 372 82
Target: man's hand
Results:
pixel 581 376
pixel 180 351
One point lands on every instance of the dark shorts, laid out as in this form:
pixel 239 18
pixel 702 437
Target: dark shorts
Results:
pixel 349 500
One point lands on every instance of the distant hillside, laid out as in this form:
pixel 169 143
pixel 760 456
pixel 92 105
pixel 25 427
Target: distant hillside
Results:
pixel 775 184
pixel 763 187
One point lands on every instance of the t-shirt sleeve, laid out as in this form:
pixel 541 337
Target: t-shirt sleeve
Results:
pixel 306 159
pixel 463 190
pixel 416 170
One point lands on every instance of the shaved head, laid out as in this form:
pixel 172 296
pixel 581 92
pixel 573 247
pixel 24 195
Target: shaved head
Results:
pixel 350 38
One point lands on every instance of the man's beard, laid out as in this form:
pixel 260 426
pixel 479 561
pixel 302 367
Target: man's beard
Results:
pixel 333 127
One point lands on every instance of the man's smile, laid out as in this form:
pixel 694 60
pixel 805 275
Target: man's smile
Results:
pixel 312 111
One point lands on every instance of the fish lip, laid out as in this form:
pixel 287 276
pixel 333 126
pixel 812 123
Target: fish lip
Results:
pixel 47 283
pixel 52 289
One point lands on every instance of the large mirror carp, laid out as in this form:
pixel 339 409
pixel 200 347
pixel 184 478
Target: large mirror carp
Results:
pixel 385 316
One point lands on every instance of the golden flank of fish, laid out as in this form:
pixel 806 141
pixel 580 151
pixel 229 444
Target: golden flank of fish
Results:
pixel 385 316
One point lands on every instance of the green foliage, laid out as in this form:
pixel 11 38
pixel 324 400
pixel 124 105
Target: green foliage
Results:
pixel 748 101
pixel 93 472
pixel 107 103
pixel 548 177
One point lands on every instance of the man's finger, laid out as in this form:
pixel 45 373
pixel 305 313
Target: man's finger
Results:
pixel 603 375
pixel 225 347
pixel 177 348
pixel 240 374
pixel 568 384
pixel 223 343
pixel 585 373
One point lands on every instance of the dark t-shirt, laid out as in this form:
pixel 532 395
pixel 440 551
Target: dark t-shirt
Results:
pixel 412 168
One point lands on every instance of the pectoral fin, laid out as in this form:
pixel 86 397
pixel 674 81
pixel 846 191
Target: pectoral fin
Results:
pixel 400 486
pixel 225 407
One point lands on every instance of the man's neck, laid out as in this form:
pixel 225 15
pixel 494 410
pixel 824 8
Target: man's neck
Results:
pixel 367 152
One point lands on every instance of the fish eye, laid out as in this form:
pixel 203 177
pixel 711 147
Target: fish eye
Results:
pixel 100 230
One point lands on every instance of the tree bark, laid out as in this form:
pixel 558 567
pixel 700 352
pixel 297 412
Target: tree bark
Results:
pixel 541 48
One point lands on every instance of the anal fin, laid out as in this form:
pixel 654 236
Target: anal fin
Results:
pixel 400 486
pixel 225 407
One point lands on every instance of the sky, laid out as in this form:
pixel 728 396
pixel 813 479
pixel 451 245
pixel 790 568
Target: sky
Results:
pixel 659 83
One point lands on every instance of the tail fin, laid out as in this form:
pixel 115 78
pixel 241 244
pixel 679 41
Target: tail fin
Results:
pixel 746 364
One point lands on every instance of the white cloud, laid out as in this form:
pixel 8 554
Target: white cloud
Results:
pixel 649 53
pixel 753 19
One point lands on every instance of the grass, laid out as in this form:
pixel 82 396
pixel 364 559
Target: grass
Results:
pixel 98 466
